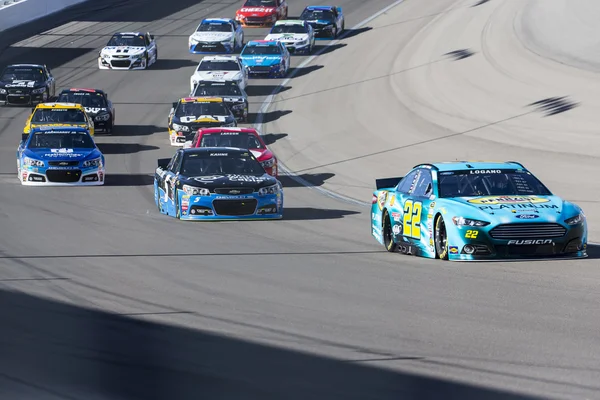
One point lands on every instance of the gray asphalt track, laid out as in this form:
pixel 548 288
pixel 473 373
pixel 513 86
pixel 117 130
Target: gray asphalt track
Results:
pixel 103 298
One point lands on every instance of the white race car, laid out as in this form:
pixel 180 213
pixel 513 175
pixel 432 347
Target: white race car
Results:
pixel 226 68
pixel 217 35
pixel 298 36
pixel 128 50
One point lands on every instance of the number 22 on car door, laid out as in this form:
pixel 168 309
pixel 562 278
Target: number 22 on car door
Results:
pixel 411 223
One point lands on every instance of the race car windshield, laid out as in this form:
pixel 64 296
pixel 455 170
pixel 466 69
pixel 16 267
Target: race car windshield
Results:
pixel 58 115
pixel 289 29
pixel 259 50
pixel 317 15
pixel 218 66
pixel 214 27
pixel 86 99
pixel 217 90
pixel 12 74
pixel 203 164
pixel 241 140
pixel 199 109
pixel 127 40
pixel 473 183
pixel 52 140
pixel 260 3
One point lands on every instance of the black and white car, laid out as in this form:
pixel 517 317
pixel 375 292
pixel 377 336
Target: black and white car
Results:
pixel 26 84
pixel 226 68
pixel 96 103
pixel 232 94
pixel 128 51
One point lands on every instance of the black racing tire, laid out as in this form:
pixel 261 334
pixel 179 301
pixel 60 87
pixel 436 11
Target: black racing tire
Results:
pixel 441 239
pixel 388 240
pixel 335 32
pixel 177 208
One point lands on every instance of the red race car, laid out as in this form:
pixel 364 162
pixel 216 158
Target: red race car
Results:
pixel 244 138
pixel 257 13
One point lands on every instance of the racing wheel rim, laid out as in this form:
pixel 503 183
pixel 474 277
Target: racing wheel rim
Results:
pixel 387 234
pixel 441 239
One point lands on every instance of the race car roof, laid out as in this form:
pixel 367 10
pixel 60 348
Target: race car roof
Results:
pixel 129 33
pixel 262 43
pixel 213 149
pixel 58 129
pixel 210 131
pixel 26 65
pixel 291 22
pixel 59 105
pixel 82 90
pixel 467 165
pixel 214 20
pixel 201 100
pixel 322 8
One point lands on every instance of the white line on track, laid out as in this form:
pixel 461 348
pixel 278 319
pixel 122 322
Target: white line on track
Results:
pixel 268 101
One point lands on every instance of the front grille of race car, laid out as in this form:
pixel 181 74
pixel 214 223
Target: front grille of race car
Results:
pixel 260 69
pixel 235 207
pixel 18 96
pixel 257 20
pixel 210 46
pixel 527 250
pixel 234 191
pixel 63 163
pixel 63 175
pixel 120 63
pixel 528 231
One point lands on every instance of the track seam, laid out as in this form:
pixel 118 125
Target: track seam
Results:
pixel 269 100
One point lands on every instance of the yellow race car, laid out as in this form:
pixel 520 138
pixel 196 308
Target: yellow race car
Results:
pixel 59 114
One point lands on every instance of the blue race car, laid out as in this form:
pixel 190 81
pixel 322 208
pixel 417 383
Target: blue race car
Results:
pixel 327 21
pixel 216 183
pixel 59 156
pixel 216 35
pixel 475 211
pixel 266 58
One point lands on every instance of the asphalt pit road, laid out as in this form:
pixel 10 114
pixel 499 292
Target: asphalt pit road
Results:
pixel 271 138
pixel 554 105
pixel 312 179
pixel 349 33
pixel 124 148
pixel 268 117
pixel 133 130
pixel 326 49
pixel 309 213
pixel 458 55
pixel 297 72
pixel 480 2
pixel 171 64
pixel 265 90
pixel 128 180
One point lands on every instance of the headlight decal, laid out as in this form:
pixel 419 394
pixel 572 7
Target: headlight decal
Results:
pixel 461 221
pixel 267 190
pixel 96 162
pixel 195 191
pixel 33 162
pixel 579 218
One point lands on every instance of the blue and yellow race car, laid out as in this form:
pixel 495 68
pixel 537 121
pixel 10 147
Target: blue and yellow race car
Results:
pixel 216 183
pixel 475 211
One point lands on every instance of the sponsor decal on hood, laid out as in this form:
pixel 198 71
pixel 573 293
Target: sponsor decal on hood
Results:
pixel 123 50
pixel 216 36
pixel 23 84
pixel 258 10
pixel 219 75
pixel 60 154
pixel 515 205
pixel 287 36
pixel 95 110
pixel 202 118
pixel 509 200
pixel 232 178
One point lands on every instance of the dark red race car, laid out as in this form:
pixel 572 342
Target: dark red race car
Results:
pixel 260 13
pixel 244 138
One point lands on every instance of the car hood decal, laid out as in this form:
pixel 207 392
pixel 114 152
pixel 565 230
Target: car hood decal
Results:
pixel 218 75
pixel 517 208
pixel 287 36
pixel 202 118
pixel 23 84
pixel 48 154
pixel 260 11
pixel 212 36
pixel 123 50
pixel 262 60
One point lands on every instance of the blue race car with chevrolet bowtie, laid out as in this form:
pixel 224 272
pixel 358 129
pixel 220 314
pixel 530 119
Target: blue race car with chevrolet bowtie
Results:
pixel 59 156
pixel 466 211
pixel 216 183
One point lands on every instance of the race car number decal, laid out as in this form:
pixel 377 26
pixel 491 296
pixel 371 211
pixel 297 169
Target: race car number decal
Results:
pixel 412 219
pixel 470 234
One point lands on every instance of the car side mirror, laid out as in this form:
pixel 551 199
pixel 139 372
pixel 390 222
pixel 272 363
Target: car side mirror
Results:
pixel 163 163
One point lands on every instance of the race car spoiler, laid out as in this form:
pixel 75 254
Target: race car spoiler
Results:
pixel 387 182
